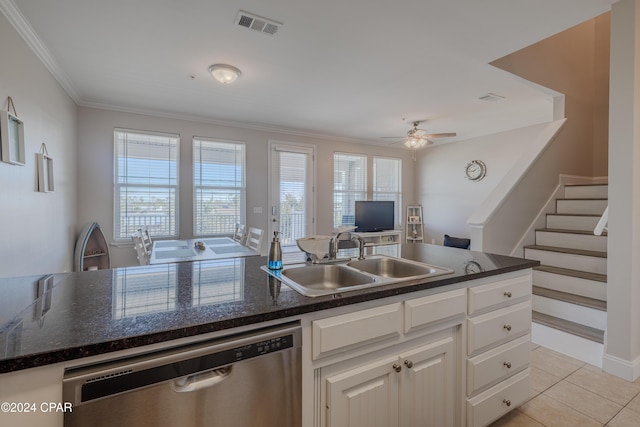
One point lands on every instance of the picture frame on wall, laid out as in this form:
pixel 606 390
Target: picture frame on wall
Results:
pixel 45 170
pixel 12 139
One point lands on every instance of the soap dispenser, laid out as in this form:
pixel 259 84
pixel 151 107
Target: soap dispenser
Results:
pixel 275 253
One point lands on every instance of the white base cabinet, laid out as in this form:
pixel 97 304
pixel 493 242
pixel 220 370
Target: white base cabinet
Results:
pixel 498 348
pixel 455 358
pixel 414 389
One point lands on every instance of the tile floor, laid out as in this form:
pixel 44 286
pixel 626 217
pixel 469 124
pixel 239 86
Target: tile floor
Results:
pixel 568 392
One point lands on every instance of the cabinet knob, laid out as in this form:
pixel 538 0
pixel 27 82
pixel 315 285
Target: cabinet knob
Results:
pixel 506 402
pixel 507 294
pixel 507 364
pixel 397 367
pixel 409 363
pixel 507 327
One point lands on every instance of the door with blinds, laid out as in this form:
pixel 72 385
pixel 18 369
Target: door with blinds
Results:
pixel 291 195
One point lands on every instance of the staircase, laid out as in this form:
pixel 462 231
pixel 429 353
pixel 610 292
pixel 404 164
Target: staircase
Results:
pixel 569 287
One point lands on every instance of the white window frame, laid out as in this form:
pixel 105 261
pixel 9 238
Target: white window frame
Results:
pixel 118 186
pixel 242 188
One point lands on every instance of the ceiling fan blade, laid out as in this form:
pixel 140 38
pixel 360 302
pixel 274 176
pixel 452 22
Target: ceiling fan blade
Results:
pixel 440 135
pixel 391 137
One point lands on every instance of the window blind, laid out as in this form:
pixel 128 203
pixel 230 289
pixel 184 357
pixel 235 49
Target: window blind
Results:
pixel 146 183
pixel 349 185
pixel 387 183
pixel 219 186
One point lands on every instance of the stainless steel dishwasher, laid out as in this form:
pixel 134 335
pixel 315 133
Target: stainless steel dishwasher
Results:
pixel 251 379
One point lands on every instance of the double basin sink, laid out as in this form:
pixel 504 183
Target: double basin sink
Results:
pixel 325 279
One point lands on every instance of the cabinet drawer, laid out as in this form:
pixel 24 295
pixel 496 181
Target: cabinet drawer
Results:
pixel 495 295
pixel 355 329
pixel 496 364
pixel 498 400
pixel 421 312
pixel 498 326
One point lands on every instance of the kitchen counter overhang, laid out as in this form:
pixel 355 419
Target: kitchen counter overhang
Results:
pixel 92 313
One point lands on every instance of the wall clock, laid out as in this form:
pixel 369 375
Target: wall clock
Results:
pixel 472 267
pixel 475 170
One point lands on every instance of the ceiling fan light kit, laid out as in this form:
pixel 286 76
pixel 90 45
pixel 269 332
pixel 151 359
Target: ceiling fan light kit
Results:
pixel 418 138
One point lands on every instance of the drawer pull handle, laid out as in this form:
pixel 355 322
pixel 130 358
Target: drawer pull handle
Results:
pixel 409 363
pixel 397 367
pixel 507 327
pixel 506 402
pixel 507 364
pixel 507 294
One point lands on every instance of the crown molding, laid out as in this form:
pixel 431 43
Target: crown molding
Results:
pixel 240 125
pixel 15 17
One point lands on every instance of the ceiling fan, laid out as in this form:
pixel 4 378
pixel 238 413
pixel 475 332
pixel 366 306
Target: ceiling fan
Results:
pixel 417 138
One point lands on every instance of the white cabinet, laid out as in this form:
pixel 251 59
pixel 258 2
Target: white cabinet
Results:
pixel 428 391
pixel 366 395
pixel 498 348
pixel 398 364
pixel 415 388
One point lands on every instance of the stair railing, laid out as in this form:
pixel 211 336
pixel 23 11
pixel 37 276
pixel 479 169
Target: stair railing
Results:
pixel 603 223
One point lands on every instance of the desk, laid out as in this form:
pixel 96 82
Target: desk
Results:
pixel 167 251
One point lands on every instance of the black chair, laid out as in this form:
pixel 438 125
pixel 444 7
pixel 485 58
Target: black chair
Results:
pixel 457 242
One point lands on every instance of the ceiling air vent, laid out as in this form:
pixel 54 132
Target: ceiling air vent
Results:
pixel 257 23
pixel 491 97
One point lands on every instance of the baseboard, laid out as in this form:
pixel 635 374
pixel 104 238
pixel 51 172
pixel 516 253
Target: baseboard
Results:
pixel 628 370
pixel 573 346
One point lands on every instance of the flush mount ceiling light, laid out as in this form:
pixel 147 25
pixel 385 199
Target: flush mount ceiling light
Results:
pixel 224 73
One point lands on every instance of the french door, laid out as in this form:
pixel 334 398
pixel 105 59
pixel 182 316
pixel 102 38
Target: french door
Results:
pixel 291 195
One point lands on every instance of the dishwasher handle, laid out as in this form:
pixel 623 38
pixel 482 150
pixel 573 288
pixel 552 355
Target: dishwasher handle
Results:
pixel 201 380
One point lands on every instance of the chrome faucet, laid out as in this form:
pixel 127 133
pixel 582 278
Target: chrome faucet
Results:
pixel 333 246
pixel 360 246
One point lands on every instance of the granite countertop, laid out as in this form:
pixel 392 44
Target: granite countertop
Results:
pixel 95 312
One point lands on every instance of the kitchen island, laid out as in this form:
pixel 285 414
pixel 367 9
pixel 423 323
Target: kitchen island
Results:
pixel 91 316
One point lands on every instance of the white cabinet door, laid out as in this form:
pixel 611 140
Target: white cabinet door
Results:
pixel 429 385
pixel 364 397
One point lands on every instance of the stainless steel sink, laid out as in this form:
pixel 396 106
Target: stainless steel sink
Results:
pixel 315 280
pixel 397 268
pixel 326 279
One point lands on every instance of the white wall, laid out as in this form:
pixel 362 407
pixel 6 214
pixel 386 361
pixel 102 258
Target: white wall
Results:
pixel 37 230
pixel 622 351
pixel 95 170
pixel 447 197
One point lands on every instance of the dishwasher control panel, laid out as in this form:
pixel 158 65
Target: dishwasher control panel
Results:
pixel 263 347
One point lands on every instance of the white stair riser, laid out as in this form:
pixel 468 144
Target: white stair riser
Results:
pixel 572 345
pixel 584 223
pixel 569 284
pixel 575 313
pixel 572 261
pixel 586 191
pixel 573 241
pixel 591 207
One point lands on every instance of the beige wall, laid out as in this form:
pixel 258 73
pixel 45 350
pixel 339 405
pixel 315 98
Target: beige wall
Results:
pixel 570 63
pixel 95 159
pixel 575 63
pixel 37 230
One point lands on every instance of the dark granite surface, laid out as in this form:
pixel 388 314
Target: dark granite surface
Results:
pixel 95 312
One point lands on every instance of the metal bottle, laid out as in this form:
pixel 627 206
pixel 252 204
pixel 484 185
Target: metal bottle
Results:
pixel 275 253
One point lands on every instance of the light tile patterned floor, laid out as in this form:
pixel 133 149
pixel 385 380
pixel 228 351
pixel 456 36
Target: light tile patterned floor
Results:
pixel 567 392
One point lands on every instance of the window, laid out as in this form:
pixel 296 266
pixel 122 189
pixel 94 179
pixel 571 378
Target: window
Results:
pixel 146 183
pixel 387 183
pixel 349 185
pixel 219 186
